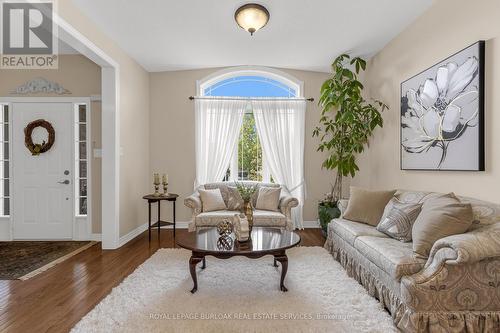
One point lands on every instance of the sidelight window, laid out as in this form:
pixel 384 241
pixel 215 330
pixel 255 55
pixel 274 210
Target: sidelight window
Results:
pixel 4 161
pixel 81 158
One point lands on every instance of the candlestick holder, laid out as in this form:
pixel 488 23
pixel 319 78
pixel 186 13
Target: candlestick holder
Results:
pixel 165 190
pixel 156 182
pixel 157 190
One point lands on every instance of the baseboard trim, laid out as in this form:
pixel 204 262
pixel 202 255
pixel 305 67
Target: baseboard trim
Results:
pixel 132 234
pixel 95 237
pixel 311 224
pixel 178 225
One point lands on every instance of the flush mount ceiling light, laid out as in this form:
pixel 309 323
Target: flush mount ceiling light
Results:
pixel 251 17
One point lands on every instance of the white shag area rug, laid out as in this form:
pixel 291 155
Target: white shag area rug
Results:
pixel 238 295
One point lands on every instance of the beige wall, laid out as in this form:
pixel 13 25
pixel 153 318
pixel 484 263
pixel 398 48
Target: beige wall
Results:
pixel 447 27
pixel 82 78
pixel 134 119
pixel 172 135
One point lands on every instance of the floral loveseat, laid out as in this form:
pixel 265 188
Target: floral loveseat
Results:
pixel 457 289
pixel 262 218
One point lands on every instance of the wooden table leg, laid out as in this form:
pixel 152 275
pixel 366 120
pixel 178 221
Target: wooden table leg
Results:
pixel 159 223
pixel 283 260
pixel 204 264
pixel 174 221
pixel 193 261
pixel 149 221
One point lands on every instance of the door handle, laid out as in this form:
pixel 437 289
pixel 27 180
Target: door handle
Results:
pixel 65 182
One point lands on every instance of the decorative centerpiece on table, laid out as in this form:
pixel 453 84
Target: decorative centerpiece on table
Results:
pixel 241 229
pixel 224 229
pixel 247 192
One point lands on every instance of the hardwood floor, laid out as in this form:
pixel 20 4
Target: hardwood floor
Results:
pixel 55 300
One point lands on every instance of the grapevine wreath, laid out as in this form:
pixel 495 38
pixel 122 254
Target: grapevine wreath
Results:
pixel 39 148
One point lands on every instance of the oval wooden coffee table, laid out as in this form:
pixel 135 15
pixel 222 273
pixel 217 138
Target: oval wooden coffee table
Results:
pixel 264 241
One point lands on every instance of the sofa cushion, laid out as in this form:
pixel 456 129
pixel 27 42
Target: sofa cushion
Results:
pixel 268 198
pixel 398 219
pixel 441 216
pixel 390 255
pixel 211 200
pixel 261 218
pixel 350 230
pixel 234 200
pixel 367 206
pixel 266 218
pixel 224 191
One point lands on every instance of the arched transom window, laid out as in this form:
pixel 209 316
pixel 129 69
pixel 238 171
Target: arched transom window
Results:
pixel 247 162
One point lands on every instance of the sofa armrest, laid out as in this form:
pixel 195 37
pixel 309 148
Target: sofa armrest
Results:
pixel 460 274
pixel 342 206
pixel 193 202
pixel 470 247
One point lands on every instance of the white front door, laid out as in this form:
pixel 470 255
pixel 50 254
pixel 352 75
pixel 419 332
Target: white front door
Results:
pixel 42 185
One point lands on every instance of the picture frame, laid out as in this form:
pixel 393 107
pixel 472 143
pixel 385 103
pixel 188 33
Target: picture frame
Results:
pixel 442 114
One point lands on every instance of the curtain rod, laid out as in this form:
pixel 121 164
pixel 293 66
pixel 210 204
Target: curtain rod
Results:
pixel 254 99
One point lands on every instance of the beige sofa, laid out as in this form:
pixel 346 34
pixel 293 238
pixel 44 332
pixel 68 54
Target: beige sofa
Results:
pixel 457 289
pixel 262 218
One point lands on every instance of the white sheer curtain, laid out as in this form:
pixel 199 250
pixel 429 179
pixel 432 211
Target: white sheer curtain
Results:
pixel 217 124
pixel 280 125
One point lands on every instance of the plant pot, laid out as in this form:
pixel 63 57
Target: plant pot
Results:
pixel 326 212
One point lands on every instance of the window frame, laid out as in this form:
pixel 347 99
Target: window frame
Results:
pixel 265 72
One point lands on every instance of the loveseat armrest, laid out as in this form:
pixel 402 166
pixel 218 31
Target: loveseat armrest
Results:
pixel 287 202
pixel 470 247
pixel 193 202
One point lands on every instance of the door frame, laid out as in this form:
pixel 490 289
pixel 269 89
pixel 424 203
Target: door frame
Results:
pixel 81 226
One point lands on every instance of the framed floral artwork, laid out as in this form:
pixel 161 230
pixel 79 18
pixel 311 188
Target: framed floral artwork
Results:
pixel 442 114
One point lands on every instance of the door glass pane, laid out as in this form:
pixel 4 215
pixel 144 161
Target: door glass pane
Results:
pixel 82 113
pixel 6 132
pixel 6 206
pixel 83 206
pixel 6 169
pixel 83 132
pixel 83 187
pixel 6 192
pixel 83 169
pixel 83 150
pixel 5 113
pixel 6 151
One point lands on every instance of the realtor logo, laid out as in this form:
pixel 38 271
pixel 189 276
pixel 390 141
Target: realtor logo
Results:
pixel 28 37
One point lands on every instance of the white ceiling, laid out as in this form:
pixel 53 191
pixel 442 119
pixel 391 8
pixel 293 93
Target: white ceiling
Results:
pixel 167 35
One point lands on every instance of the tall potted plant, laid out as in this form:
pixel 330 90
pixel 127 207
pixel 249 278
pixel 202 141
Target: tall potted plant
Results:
pixel 347 121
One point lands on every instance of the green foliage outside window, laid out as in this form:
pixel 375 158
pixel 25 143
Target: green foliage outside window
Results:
pixel 249 151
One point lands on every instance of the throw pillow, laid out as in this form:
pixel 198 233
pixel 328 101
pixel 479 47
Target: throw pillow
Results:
pixel 211 200
pixel 398 219
pixel 367 206
pixel 234 200
pixel 441 216
pixel 224 191
pixel 268 198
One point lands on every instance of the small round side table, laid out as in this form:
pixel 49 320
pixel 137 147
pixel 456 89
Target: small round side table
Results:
pixel 172 197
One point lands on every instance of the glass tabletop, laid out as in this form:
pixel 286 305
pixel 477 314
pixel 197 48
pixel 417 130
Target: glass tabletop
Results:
pixel 262 240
